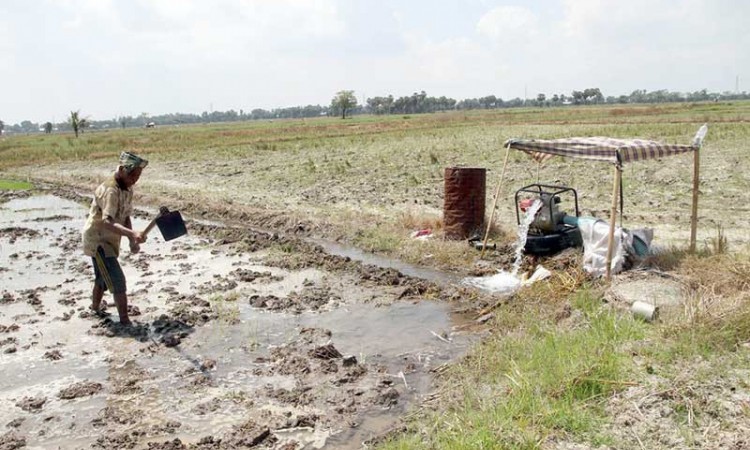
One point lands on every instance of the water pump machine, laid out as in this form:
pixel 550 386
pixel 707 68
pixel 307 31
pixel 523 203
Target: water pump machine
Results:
pixel 551 229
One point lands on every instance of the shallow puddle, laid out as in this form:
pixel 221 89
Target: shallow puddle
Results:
pixel 331 372
pixel 356 254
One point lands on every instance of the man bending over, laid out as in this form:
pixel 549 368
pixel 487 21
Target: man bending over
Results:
pixel 107 223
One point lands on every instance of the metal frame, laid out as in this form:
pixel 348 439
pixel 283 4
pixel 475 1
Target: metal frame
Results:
pixel 540 187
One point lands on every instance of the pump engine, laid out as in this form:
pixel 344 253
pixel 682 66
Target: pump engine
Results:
pixel 550 231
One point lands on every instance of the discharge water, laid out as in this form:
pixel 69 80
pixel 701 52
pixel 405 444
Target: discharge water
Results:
pixel 507 282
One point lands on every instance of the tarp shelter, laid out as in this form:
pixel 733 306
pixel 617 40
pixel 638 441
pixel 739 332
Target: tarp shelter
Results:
pixel 613 151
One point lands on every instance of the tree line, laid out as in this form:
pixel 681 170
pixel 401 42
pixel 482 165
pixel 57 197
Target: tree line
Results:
pixel 345 103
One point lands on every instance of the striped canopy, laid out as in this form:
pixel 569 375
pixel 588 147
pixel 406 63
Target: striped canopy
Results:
pixel 599 148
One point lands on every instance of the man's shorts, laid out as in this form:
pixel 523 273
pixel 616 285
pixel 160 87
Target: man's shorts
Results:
pixel 108 273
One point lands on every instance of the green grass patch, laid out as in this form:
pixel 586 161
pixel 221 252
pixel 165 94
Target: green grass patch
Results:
pixel 377 240
pixel 12 185
pixel 521 389
pixel 226 308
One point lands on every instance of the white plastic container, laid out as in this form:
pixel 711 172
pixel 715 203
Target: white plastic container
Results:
pixel 645 311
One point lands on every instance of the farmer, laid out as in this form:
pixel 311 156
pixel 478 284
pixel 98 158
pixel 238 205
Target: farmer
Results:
pixel 107 223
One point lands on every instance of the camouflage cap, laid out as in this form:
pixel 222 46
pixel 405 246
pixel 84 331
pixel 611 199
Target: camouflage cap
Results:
pixel 131 161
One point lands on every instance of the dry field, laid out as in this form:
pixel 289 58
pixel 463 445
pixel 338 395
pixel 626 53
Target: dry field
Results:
pixel 371 181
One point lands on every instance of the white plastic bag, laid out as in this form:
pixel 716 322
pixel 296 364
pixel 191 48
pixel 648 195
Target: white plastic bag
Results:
pixel 595 234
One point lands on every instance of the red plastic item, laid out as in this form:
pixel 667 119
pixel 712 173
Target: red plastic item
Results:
pixel 525 204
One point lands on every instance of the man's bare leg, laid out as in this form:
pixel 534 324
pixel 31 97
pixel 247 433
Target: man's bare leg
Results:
pixel 121 300
pixel 96 297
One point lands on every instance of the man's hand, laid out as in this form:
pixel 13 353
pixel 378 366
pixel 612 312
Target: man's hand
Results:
pixel 134 247
pixel 137 238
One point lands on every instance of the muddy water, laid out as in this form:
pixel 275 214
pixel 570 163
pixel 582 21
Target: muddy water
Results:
pixel 221 339
pixel 380 261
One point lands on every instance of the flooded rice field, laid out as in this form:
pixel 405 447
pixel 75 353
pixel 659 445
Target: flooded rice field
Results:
pixel 239 340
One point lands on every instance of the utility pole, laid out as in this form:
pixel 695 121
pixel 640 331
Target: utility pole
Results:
pixel 737 85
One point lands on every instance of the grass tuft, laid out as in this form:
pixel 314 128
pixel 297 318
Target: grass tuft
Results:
pixel 226 308
pixel 12 185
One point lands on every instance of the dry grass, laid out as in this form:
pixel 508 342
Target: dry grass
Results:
pixel 720 275
pixel 716 313
pixel 417 219
pixel 549 301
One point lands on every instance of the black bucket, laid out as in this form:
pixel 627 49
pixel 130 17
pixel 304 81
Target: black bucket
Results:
pixel 171 225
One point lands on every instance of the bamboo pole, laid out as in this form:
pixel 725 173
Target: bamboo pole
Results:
pixel 612 220
pixel 694 212
pixel 494 203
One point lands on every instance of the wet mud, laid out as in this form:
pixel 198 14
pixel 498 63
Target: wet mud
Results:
pixel 240 338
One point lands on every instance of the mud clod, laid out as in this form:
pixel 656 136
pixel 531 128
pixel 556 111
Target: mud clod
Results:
pixel 14 233
pixel 247 435
pixel 171 340
pixel 174 444
pixel 9 328
pixel 208 364
pixel 81 389
pixel 327 351
pixel 299 396
pixel 53 355
pixel 15 423
pixel 118 440
pixel 12 441
pixel 389 397
pixel 32 404
pixel 207 407
pixel 111 414
pixel 249 276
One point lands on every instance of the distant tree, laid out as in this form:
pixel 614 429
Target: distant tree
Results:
pixel 699 96
pixel 540 98
pixel 638 96
pixel 28 126
pixel 380 105
pixel 74 121
pixel 592 95
pixel 2 127
pixel 488 102
pixel 344 101
pixel 515 103
pixel 77 123
pixel 48 127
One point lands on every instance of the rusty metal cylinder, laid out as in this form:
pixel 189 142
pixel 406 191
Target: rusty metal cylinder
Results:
pixel 463 209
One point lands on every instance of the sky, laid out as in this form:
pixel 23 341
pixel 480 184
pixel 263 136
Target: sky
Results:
pixel 109 58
